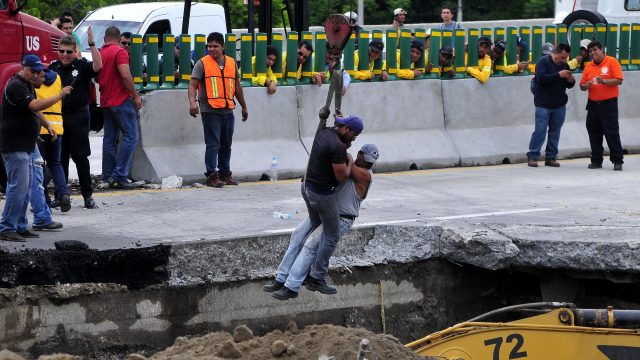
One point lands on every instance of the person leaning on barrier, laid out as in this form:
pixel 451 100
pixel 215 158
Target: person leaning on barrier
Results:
pixel 417 51
pixel 295 264
pixel 78 73
pixel 268 79
pixel 446 62
pixel 216 81
pixel 520 66
pixel 581 59
pixel 602 78
pixel 482 71
pixel 553 78
pixel 332 61
pixel 305 51
pixel 375 52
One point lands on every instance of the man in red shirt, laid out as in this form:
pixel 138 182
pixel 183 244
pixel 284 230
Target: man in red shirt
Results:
pixel 602 78
pixel 120 103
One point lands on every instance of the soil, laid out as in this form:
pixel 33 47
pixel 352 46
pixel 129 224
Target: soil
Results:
pixel 313 342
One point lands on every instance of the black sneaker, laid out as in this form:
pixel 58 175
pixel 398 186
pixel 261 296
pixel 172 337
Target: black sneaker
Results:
pixel 617 167
pixel 54 225
pixel 54 204
pixel 28 234
pixel 65 203
pixel 123 185
pixel 594 166
pixel 89 203
pixel 320 286
pixel 12 236
pixel 284 294
pixel 274 286
pixel 306 280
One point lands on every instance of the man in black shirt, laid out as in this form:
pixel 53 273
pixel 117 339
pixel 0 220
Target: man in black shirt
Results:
pixel 19 129
pixel 329 165
pixel 75 110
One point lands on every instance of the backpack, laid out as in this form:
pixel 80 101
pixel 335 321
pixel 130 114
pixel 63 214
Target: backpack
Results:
pixel 533 85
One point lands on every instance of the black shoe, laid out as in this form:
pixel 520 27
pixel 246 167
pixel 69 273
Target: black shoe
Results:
pixel 28 234
pixel 284 294
pixel 617 167
pixel 306 280
pixel 54 204
pixel 274 286
pixel 12 236
pixel 65 203
pixel 594 166
pixel 123 185
pixel 50 226
pixel 89 203
pixel 320 286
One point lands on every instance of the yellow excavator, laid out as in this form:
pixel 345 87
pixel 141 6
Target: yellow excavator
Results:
pixel 538 331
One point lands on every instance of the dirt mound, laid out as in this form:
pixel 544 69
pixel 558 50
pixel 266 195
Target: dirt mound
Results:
pixel 314 342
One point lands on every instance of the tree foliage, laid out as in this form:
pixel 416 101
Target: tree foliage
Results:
pixel 376 11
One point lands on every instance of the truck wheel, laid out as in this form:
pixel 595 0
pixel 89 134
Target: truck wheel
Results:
pixel 584 16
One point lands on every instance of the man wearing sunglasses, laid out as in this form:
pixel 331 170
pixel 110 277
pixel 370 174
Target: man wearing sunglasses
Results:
pixel 305 51
pixel 77 73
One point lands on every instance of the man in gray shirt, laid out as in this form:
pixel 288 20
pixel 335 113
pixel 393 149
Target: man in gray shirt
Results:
pixel 216 76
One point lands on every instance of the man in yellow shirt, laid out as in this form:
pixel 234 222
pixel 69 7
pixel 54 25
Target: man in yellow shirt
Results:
pixel 482 71
pixel 580 60
pixel 375 52
pixel 305 51
pixel 268 79
pixel 417 51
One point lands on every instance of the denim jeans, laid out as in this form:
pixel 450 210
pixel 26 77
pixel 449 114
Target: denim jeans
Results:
pixel 551 119
pixel 51 150
pixel 301 254
pixel 218 135
pixel 116 158
pixel 19 176
pixel 41 211
pixel 323 210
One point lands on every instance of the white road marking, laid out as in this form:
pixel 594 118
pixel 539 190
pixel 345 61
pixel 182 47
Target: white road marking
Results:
pixel 491 214
pixel 391 222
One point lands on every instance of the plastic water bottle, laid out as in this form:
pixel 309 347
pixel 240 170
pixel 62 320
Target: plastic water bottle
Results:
pixel 281 215
pixel 274 168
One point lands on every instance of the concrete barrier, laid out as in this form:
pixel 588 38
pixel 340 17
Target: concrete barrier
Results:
pixel 403 118
pixel 172 142
pixel 628 108
pixel 493 123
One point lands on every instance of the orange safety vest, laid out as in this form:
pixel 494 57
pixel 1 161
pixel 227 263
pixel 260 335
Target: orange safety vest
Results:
pixel 220 85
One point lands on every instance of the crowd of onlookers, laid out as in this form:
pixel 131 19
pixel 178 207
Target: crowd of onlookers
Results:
pixel 47 111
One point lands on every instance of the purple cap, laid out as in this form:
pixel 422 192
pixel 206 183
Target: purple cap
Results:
pixel 353 122
pixel 33 61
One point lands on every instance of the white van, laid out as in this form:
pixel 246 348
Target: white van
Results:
pixel 151 18
pixel 597 11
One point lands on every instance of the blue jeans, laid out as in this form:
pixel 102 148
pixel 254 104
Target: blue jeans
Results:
pixel 19 176
pixel 551 119
pixel 301 254
pixel 41 211
pixel 116 158
pixel 218 135
pixel 51 151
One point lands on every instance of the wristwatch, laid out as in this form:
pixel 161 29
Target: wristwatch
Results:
pixel 92 44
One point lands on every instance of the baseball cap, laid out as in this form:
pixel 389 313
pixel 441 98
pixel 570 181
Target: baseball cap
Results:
pixel 49 77
pixel 547 49
pixel 399 11
pixel 500 44
pixel 484 40
pixel 370 153
pixel 352 121
pixel 584 43
pixel 447 49
pixel 377 45
pixel 417 44
pixel 33 61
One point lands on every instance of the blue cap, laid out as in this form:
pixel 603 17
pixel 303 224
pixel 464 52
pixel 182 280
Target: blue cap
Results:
pixel 352 121
pixel 33 61
pixel 521 43
pixel 370 153
pixel 49 77
pixel 417 44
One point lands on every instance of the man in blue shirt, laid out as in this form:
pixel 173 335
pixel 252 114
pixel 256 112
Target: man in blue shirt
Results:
pixel 553 78
pixel 447 23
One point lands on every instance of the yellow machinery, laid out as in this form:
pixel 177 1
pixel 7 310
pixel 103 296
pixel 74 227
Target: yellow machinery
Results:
pixel 539 331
